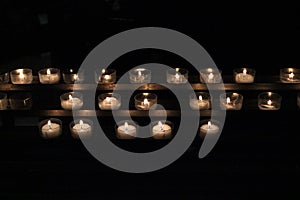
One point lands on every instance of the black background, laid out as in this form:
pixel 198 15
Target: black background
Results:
pixel 247 163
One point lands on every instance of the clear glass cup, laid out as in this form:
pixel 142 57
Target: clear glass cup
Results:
pixel 49 76
pixel 290 75
pixel 140 75
pixel 71 76
pixel 105 76
pixel 109 101
pixel 145 101
pixel 210 75
pixel 209 127
pixel 21 101
pixel 3 101
pixel 71 100
pixel 50 128
pixel 231 101
pixel 200 101
pixel 269 101
pixel 4 77
pixel 126 129
pixel 244 75
pixel 21 76
pixel 177 76
pixel 81 128
pixel 162 129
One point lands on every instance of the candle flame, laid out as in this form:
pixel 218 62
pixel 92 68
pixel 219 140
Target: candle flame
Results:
pixel 209 124
pixel 146 102
pixel 71 70
pixel 22 76
pixel 49 124
pixel 103 71
pixel 75 77
pixel 210 76
pixel 210 70
pixel 139 73
pixel 177 76
pixel 290 70
pixel 107 99
pixel 291 75
pixel 269 102
pixel 227 100
pixel 70 97
pixel 107 77
pixel 126 126
pixel 269 94
pixel 244 71
pixel 160 125
pixel 48 71
pixel 177 69
pixel 80 122
pixel 200 98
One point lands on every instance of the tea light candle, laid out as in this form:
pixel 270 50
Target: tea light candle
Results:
pixel 71 101
pixel 126 131
pixel 51 129
pixel 209 128
pixel 4 77
pixel 81 128
pixel 161 130
pixel 20 101
pixel 210 75
pixel 145 101
pixel 246 76
pixel 21 76
pixel 70 76
pixel 177 76
pixel 140 75
pixel 109 101
pixel 269 101
pixel 106 76
pixel 3 101
pixel 202 102
pixel 231 101
pixel 49 76
pixel 290 75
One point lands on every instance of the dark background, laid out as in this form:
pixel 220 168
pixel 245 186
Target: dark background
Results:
pixel 247 163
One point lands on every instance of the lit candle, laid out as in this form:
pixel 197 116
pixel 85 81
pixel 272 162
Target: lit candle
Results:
pixel 51 130
pixel 3 101
pixel 199 103
pixel 229 104
pixel 71 103
pixel 290 75
pixel 126 131
pixel 81 129
pixel 244 77
pixel 178 76
pixel 109 103
pixel 209 128
pixel 21 76
pixel 161 131
pixel 49 76
pixel 269 101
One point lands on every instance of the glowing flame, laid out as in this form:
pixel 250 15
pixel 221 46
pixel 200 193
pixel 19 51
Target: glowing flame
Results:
pixel 177 69
pixel 80 123
pixel 48 71
pixel 22 76
pixel 49 124
pixel 177 76
pixel 210 76
pixel 70 97
pixel 269 102
pixel 245 71
pixel 103 71
pixel 160 125
pixel 146 102
pixel 227 100
pixel 75 77
pixel 126 126
pixel 71 70
pixel 200 98
pixel 107 99
pixel 139 73
pixel 269 94
pixel 291 75
pixel 209 124
pixel 107 77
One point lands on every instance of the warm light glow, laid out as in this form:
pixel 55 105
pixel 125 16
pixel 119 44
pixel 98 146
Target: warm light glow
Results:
pixel 269 102
pixel 48 71
pixel 244 71
pixel 290 70
pixel 71 70
pixel 80 123
pixel 107 99
pixel 200 98
pixel 160 125
pixel 145 94
pixel 211 76
pixel 177 76
pixel 107 77
pixel 209 124
pixel 269 94
pixel 103 71
pixel 70 97
pixel 177 69
pixel 75 77
pixel 227 100
pixel 22 76
pixel 49 123
pixel 209 70
pixel 126 126
pixel 146 102
pixel 291 75
pixel 139 73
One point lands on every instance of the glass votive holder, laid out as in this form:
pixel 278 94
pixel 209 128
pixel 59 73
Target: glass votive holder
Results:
pixel 4 77
pixel 126 129
pixel 71 100
pixel 269 101
pixel 3 101
pixel 200 101
pixel 50 128
pixel 210 75
pixel 21 101
pixel 290 75
pixel 21 76
pixel 81 128
pixel 140 75
pixel 105 76
pixel 177 75
pixel 145 101
pixel 209 127
pixel 244 75
pixel 49 76
pixel 231 101
pixel 71 76
pixel 109 101
pixel 162 129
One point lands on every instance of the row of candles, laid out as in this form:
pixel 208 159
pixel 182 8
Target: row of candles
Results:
pixel 141 75
pixel 127 129
pixel 145 101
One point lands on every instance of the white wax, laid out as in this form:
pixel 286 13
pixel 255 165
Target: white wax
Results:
pixel 265 106
pixel 126 133
pixel 113 104
pixel 196 104
pixel 244 78
pixel 51 131
pixel 161 132
pixel 212 129
pixel 49 78
pixel 70 104
pixel 81 129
